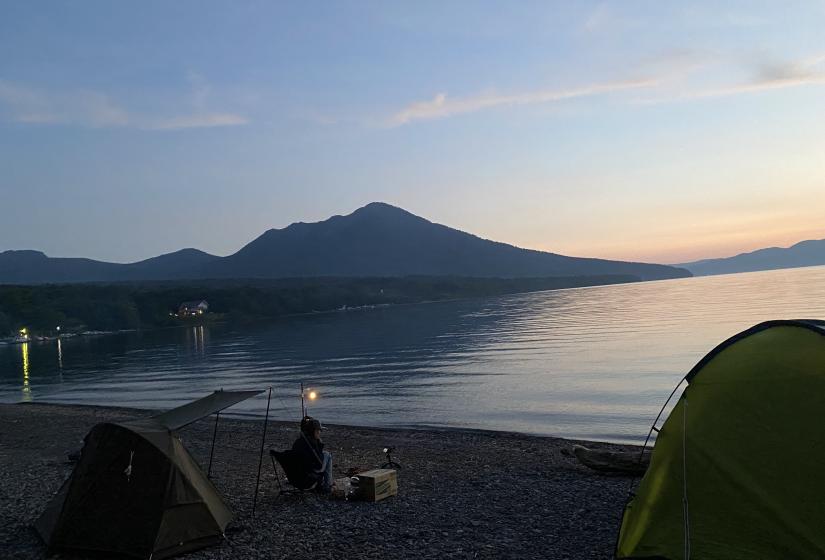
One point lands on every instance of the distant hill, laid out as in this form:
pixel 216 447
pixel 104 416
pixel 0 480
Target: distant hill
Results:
pixel 34 267
pixel 377 240
pixel 804 253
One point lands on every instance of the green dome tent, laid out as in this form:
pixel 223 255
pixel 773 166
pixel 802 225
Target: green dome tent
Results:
pixel 738 469
pixel 137 492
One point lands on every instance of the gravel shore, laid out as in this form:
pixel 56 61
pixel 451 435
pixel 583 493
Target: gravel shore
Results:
pixel 462 494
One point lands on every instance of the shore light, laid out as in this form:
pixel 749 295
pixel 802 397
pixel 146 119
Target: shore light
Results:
pixel 307 393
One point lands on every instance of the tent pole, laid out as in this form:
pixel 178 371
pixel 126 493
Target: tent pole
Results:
pixel 261 456
pixel 212 452
pixel 641 457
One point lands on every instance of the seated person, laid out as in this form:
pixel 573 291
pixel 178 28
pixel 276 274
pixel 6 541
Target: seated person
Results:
pixel 315 462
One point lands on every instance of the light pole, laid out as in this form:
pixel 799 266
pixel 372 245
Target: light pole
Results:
pixel 310 394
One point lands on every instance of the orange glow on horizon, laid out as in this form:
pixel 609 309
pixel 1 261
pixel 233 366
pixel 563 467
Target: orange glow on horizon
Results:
pixel 688 244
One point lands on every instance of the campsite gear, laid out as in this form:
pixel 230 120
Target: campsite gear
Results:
pixel 390 464
pixel 376 485
pixel 354 488
pixel 721 483
pixel 294 472
pixel 188 413
pixel 341 488
pixel 137 492
pixel 261 454
pixel 611 462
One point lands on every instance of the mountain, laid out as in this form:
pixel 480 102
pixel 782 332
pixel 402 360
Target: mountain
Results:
pixel 377 240
pixel 804 253
pixel 382 240
pixel 34 267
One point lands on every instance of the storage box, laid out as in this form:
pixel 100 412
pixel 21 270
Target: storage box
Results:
pixel 377 484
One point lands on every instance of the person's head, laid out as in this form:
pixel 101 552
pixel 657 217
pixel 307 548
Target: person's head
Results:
pixel 311 427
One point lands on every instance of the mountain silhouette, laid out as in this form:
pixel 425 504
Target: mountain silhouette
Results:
pixel 804 253
pixel 34 267
pixel 378 240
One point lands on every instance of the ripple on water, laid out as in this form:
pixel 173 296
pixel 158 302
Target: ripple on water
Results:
pixel 591 363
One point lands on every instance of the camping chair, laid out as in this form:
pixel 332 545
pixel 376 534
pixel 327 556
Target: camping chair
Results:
pixel 294 474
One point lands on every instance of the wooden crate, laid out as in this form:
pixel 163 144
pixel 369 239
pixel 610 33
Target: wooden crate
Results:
pixel 377 484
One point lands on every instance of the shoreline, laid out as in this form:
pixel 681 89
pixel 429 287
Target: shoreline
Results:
pixel 462 493
pixel 259 417
pixel 463 289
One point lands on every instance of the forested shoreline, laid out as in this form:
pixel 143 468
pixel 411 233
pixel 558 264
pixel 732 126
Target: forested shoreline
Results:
pixel 116 306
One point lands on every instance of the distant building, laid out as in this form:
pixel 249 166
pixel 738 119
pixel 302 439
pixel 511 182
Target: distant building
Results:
pixel 189 308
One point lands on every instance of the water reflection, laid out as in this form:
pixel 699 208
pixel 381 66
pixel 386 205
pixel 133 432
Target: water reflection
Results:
pixel 588 363
pixel 27 392
pixel 198 338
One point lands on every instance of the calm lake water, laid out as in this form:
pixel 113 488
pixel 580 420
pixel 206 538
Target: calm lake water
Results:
pixel 590 363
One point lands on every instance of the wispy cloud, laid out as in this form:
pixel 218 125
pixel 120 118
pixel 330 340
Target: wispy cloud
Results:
pixel 88 108
pixel 442 106
pixel 754 87
pixel 777 71
pixel 597 19
pixel 676 63
pixel 201 120
pixel 93 109
pixel 604 19
pixel 767 75
pixel 673 71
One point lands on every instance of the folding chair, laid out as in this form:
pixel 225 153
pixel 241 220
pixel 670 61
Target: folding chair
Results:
pixel 297 478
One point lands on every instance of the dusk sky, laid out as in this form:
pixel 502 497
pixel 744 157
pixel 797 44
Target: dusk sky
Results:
pixel 652 131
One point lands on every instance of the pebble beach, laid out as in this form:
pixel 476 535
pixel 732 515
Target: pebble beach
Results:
pixel 461 494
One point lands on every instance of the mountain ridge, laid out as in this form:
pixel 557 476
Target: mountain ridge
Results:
pixel 376 240
pixel 809 252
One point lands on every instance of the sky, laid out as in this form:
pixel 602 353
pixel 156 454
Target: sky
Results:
pixel 652 131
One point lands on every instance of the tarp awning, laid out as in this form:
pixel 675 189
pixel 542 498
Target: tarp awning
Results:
pixel 192 412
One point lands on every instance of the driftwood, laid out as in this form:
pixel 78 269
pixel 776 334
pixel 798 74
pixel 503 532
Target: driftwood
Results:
pixel 615 462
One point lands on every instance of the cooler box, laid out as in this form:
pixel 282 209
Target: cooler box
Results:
pixel 377 484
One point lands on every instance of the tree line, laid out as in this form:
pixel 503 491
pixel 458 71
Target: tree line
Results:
pixel 41 308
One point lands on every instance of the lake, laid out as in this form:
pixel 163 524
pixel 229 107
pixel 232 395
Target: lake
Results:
pixel 590 363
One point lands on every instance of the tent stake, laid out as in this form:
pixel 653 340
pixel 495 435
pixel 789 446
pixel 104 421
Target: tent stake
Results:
pixel 261 456
pixel 212 452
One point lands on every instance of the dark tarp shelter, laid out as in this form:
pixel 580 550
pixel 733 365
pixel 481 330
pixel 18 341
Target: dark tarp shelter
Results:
pixel 738 469
pixel 181 416
pixel 137 492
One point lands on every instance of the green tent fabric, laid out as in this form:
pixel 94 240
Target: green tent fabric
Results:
pixel 738 469
pixel 137 492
